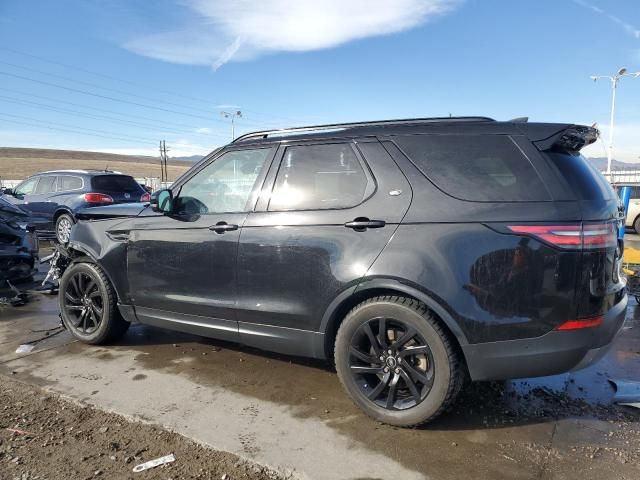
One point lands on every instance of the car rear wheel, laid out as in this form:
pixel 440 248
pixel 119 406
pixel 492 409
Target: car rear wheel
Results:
pixel 63 227
pixel 88 305
pixel 396 362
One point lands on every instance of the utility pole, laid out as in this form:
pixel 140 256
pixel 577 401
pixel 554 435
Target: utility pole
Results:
pixel 164 172
pixel 232 116
pixel 614 86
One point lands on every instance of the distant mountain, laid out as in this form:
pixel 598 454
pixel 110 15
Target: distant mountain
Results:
pixel 601 164
pixel 191 159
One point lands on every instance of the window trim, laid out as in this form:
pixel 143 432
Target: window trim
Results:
pixel 255 190
pixel 371 186
pixel 71 189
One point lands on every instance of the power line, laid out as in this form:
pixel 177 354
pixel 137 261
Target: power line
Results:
pixel 129 82
pixel 68 130
pixel 127 115
pixel 89 84
pixel 128 137
pixel 106 97
pixel 103 117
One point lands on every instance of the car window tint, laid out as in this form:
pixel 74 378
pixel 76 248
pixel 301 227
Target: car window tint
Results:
pixel 115 183
pixel 224 185
pixel 27 187
pixel 484 168
pixel 315 177
pixel 46 184
pixel 67 182
pixel 585 180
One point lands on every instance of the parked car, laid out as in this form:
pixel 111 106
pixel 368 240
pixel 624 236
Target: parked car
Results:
pixel 413 253
pixel 633 213
pixel 18 244
pixel 54 197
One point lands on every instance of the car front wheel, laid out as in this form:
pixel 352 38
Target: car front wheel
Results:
pixel 396 362
pixel 63 227
pixel 88 305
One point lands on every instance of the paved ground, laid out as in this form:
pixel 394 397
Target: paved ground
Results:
pixel 291 414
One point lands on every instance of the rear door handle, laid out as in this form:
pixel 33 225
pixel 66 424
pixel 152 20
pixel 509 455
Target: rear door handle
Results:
pixel 222 227
pixel 361 224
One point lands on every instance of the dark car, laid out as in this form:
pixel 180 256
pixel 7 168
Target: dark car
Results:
pixel 413 253
pixel 53 198
pixel 18 244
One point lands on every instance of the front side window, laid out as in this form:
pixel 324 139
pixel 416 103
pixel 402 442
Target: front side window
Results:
pixel 224 185
pixel 319 177
pixel 27 187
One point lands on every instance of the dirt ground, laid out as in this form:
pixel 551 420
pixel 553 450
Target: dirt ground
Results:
pixel 43 436
pixel 19 163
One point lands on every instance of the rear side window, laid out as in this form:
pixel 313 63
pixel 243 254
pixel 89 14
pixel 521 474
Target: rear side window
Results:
pixel 586 182
pixel 115 183
pixel 480 168
pixel 66 183
pixel 319 177
pixel 46 185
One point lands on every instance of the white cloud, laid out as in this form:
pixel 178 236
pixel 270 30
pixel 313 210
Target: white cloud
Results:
pixel 627 27
pixel 222 30
pixel 203 130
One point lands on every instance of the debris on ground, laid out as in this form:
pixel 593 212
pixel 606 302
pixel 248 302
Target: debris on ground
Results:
pixel 156 462
pixel 44 436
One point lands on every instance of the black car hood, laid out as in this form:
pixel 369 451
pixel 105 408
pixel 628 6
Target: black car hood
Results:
pixel 119 210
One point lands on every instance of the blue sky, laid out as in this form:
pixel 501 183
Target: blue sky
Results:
pixel 120 75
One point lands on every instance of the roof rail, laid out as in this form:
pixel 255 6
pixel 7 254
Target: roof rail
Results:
pixel 336 126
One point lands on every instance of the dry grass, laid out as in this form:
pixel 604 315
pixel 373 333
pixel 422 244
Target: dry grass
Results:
pixel 19 163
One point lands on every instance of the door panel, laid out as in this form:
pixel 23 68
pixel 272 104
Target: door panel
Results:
pixel 182 266
pixel 292 264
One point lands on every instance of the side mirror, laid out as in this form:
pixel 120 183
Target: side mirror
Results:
pixel 162 201
pixel 8 191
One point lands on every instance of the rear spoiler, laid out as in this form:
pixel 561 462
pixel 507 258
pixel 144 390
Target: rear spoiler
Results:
pixel 569 139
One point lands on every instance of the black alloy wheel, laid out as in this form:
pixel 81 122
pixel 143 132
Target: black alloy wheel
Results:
pixel 397 362
pixel 391 363
pixel 84 303
pixel 89 305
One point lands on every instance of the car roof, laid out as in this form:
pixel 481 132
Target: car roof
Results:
pixel 82 172
pixel 441 125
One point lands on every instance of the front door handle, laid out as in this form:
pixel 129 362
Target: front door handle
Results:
pixel 222 227
pixel 361 224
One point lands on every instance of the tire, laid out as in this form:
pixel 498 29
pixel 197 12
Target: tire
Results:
pixel 88 305
pixel 409 327
pixel 636 225
pixel 63 228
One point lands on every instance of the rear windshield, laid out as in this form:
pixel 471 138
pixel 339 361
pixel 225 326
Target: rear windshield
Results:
pixel 115 183
pixel 586 182
pixel 480 168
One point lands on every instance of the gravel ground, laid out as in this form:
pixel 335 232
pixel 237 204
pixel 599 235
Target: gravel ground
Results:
pixel 43 436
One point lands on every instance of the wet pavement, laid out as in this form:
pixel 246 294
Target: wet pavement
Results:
pixel 291 414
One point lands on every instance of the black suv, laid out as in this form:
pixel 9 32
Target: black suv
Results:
pixel 414 253
pixel 54 197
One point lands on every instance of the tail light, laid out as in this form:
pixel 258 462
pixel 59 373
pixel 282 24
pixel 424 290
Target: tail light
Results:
pixel 146 197
pixel 588 236
pixel 97 198
pixel 581 323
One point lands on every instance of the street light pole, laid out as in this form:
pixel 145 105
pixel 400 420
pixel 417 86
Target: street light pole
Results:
pixel 614 86
pixel 232 116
